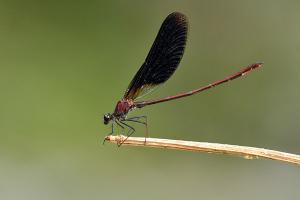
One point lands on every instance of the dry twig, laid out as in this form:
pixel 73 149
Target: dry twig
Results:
pixel 246 152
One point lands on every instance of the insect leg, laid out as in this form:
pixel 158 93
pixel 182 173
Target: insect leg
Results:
pixel 118 122
pixel 136 119
pixel 130 132
pixel 112 132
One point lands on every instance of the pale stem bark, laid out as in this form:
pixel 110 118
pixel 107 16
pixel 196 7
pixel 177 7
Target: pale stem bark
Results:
pixel 243 151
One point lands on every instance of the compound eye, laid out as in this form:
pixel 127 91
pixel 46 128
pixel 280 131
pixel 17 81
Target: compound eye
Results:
pixel 106 118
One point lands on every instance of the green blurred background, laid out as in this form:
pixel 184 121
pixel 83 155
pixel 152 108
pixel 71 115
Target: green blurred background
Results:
pixel 63 64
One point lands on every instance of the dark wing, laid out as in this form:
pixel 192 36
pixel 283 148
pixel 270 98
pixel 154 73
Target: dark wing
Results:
pixel 163 58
